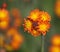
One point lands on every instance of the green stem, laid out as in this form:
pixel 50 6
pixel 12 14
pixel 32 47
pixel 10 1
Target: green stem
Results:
pixel 42 40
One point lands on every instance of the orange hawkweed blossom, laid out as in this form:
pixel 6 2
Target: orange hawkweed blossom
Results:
pixel 4 14
pixel 17 17
pixel 34 14
pixel 12 40
pixel 43 27
pixel 17 38
pixel 54 49
pixel 4 19
pixel 44 16
pixel 37 22
pixel 57 8
pixel 55 43
pixel 55 40
pixel 28 25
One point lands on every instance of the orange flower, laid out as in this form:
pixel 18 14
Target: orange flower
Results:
pixel 37 22
pixel 57 8
pixel 4 14
pixel 56 40
pixel 35 33
pixel 43 27
pixel 44 16
pixel 34 14
pixel 17 38
pixel 4 25
pixel 4 19
pixel 54 49
pixel 28 25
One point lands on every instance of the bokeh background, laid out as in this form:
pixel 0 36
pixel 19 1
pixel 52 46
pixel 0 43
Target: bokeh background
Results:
pixel 32 44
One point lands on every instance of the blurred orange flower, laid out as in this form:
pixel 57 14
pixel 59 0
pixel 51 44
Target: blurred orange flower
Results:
pixel 57 8
pixel 56 40
pixel 4 19
pixel 54 49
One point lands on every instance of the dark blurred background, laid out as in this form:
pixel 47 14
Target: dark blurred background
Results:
pixel 32 44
